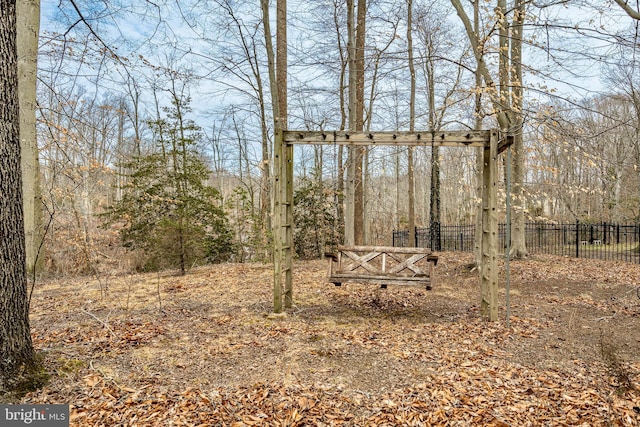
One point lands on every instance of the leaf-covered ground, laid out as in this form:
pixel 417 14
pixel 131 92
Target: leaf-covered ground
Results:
pixel 162 350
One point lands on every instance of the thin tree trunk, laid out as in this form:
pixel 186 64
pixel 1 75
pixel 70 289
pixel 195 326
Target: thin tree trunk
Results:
pixel 477 46
pixel 340 184
pixel 349 226
pixel 479 151
pixel 399 222
pixel 264 219
pixel 16 348
pixel 518 245
pixel 178 166
pixel 434 195
pixel 340 214
pixel 358 222
pixel 412 121
pixel 503 56
pixel 28 20
pixel 435 199
pixel 120 178
pixel 281 61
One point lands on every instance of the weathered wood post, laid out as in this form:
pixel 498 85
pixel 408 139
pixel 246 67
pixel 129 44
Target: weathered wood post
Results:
pixel 282 223
pixel 276 221
pixel 287 219
pixel 489 244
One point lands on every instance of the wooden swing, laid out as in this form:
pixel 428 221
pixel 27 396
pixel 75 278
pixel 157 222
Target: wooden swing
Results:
pixel 382 265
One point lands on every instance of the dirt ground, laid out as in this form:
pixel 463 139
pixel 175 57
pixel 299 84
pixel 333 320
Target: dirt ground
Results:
pixel 160 349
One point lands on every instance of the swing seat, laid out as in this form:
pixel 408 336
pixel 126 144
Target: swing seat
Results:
pixel 382 265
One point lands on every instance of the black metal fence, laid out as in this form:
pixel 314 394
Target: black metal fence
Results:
pixel 580 240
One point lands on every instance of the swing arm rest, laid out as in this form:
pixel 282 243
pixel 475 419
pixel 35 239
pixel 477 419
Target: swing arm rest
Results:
pixel 332 255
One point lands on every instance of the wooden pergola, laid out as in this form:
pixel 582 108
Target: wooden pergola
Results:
pixel 489 140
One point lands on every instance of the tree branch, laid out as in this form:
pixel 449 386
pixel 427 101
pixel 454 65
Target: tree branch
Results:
pixel 92 31
pixel 628 9
pixel 502 115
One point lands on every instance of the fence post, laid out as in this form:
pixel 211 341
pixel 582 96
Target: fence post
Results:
pixel 577 238
pixel 604 234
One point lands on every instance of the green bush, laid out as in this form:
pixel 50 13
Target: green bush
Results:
pixel 315 219
pixel 167 211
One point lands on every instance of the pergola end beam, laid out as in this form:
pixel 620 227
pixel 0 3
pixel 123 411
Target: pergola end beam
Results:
pixel 505 143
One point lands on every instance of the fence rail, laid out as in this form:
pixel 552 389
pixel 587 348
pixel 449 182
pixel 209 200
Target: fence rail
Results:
pixel 580 240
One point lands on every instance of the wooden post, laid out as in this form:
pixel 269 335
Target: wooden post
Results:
pixel 288 224
pixel 278 255
pixel 282 223
pixel 489 244
pixel 282 160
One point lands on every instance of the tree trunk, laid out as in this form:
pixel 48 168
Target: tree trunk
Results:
pixel 399 222
pixel 507 101
pixel 499 104
pixel 358 222
pixel 281 61
pixel 479 151
pixel 120 149
pixel 28 20
pixel 412 121
pixel 349 227
pixel 265 174
pixel 435 205
pixel 340 184
pixel 434 194
pixel 411 214
pixel 276 218
pixel 16 348
pixel 339 197
pixel 503 55
pixel 178 171
pixel 518 244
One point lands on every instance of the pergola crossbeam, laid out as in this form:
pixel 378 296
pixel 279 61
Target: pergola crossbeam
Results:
pixel 419 138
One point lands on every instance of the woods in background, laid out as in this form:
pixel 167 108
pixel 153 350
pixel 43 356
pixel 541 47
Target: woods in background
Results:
pixel 519 66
